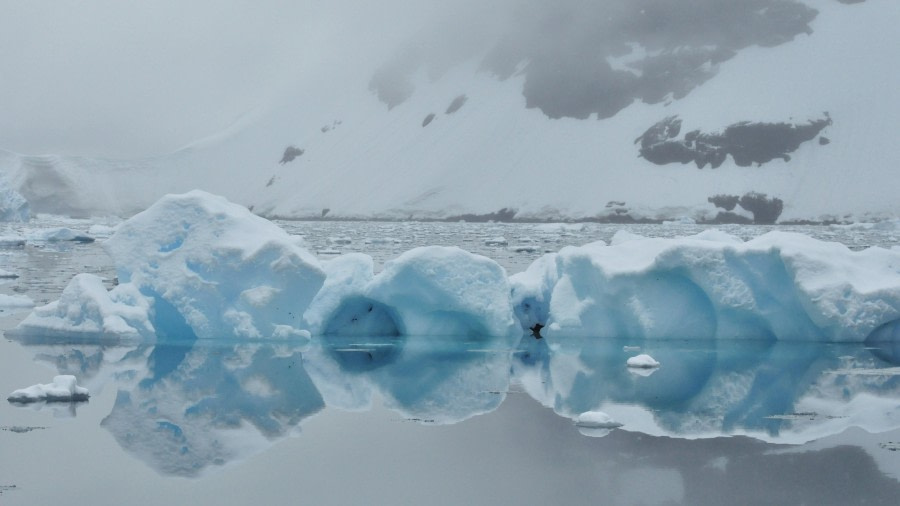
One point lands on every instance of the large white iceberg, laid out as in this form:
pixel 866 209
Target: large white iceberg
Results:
pixel 778 286
pixel 215 270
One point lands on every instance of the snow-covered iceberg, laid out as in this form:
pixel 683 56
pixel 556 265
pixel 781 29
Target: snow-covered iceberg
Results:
pixel 778 286
pixel 215 270
pixel 64 388
pixel 196 266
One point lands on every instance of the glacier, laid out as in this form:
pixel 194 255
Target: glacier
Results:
pixel 195 266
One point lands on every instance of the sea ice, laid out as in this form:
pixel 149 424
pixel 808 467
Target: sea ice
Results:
pixel 64 388
pixel 642 361
pixel 5 274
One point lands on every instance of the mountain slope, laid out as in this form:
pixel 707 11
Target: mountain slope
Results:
pixel 471 136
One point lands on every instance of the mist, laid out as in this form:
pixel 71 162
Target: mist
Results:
pixel 129 78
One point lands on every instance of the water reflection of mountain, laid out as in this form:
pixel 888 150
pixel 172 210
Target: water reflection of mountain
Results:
pixel 186 408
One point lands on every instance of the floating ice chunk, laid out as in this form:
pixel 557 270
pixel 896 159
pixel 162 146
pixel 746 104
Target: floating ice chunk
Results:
pixel 12 241
pixel 87 310
pixel 63 389
pixel 5 274
pixel 642 361
pixel 98 230
pixel 15 301
pixel 596 420
pixel 438 290
pixel 496 241
pixel 59 235
pixel 215 269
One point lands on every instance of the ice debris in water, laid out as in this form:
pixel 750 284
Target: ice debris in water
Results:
pixel 64 388
pixel 642 361
pixel 197 266
pixel 14 301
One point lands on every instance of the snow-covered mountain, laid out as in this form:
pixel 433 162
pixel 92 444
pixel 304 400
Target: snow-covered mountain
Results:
pixel 611 110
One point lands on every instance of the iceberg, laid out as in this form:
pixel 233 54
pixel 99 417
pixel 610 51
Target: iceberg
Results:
pixel 64 388
pixel 214 270
pixel 197 266
pixel 779 286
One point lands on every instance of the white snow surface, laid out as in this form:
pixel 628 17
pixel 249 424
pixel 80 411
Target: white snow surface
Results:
pixel 495 153
pixel 63 388
pixel 642 361
pixel 195 265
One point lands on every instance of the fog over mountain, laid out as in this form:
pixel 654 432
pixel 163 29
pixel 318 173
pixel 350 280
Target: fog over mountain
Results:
pixel 614 110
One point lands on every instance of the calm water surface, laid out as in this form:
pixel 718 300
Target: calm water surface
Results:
pixel 419 420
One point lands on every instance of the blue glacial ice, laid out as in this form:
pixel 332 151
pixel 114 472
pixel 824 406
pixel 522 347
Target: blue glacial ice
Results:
pixel 198 266
pixel 712 286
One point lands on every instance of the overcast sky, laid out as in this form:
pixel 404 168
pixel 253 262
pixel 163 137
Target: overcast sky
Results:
pixel 135 77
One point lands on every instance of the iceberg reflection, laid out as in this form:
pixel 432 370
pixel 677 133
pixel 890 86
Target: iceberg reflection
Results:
pixel 185 408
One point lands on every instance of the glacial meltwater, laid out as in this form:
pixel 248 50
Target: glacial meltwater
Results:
pixel 438 419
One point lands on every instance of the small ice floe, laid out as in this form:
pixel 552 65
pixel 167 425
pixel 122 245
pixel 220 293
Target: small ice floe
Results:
pixel 496 241
pixel 15 301
pixel 642 361
pixel 631 348
pixel 12 241
pixel 4 274
pixel 596 420
pixel 63 389
pixel 595 424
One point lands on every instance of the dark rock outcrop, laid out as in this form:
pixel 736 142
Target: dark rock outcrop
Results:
pixel 291 153
pixel 765 210
pixel 457 104
pixel 746 142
